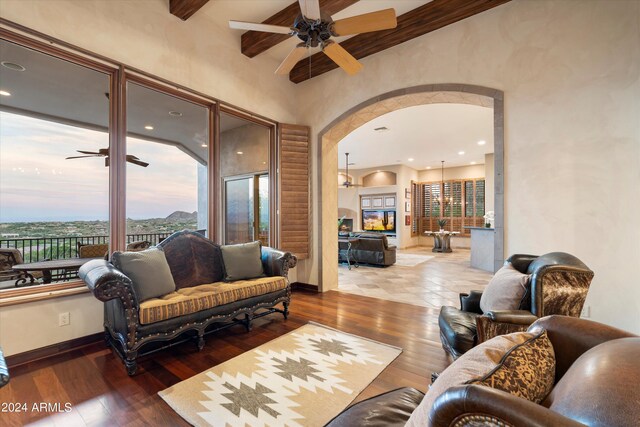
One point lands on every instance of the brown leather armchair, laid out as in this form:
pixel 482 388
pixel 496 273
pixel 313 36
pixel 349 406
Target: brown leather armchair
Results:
pixel 597 389
pixel 559 285
pixel 593 386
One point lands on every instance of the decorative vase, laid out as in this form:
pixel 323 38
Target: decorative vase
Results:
pixel 442 230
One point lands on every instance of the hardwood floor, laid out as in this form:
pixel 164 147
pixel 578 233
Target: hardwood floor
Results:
pixel 94 382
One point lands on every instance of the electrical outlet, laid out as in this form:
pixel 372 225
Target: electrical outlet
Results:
pixel 64 319
pixel 586 312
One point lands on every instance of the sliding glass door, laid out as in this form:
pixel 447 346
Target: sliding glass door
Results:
pixel 246 209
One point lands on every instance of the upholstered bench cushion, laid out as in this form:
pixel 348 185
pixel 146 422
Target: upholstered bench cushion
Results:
pixel 202 297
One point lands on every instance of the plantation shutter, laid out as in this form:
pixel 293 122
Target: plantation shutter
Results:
pixel 415 209
pixel 480 198
pixel 293 155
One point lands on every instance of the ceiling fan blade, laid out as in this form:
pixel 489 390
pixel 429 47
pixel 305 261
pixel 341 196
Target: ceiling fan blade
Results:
pixel 82 157
pixel 310 8
pixel 365 23
pixel 97 153
pixel 343 58
pixel 137 162
pixel 254 26
pixel 291 60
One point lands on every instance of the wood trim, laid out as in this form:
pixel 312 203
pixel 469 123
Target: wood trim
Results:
pixel 415 23
pixel 301 286
pixel 50 46
pixel 52 350
pixel 37 289
pixel 294 180
pixel 184 9
pixel 253 43
pixel 246 115
pixel 213 175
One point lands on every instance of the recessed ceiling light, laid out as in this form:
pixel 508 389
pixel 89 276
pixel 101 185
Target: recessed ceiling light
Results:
pixel 175 113
pixel 482 142
pixel 461 152
pixel 204 145
pixel 239 152
pixel 472 163
pixel 410 159
pixel 4 93
pixel 428 167
pixel 12 66
pixel 264 163
pixel 148 127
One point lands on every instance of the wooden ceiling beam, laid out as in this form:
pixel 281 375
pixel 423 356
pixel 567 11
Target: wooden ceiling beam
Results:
pixel 184 9
pixel 415 23
pixel 253 43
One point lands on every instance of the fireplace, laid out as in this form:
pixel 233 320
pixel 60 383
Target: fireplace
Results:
pixel 347 224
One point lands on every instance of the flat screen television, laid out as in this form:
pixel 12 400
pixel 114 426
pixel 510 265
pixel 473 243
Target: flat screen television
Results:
pixel 379 220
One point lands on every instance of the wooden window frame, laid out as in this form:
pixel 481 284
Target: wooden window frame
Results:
pixel 120 74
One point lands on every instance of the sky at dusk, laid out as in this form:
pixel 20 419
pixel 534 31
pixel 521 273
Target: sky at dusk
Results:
pixel 38 184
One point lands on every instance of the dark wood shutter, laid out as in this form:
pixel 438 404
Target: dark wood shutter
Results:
pixel 293 155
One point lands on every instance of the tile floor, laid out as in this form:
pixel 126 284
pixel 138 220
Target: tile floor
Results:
pixel 435 282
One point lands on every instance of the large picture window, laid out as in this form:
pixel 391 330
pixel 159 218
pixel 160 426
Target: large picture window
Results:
pixel 95 157
pixel 54 183
pixel 167 159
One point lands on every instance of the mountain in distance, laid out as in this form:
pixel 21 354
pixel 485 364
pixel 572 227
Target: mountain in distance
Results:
pixel 181 216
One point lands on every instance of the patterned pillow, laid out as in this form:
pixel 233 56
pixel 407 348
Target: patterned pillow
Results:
pixel 500 362
pixel 527 370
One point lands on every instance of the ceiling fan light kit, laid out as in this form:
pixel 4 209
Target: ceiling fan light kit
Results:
pixel 315 29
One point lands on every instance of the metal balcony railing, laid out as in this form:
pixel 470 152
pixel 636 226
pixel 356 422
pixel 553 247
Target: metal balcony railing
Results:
pixel 49 248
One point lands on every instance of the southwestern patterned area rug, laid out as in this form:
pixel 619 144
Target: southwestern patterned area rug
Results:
pixel 303 378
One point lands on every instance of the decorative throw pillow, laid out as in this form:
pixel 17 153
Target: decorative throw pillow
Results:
pixel 527 370
pixel 243 261
pixel 505 290
pixel 500 362
pixel 148 270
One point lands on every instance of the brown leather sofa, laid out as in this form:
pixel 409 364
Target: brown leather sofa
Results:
pixel 193 261
pixel 596 384
pixel 372 248
pixel 559 285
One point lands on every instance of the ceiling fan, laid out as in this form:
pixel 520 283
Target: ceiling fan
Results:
pixel 315 28
pixel 104 152
pixel 348 183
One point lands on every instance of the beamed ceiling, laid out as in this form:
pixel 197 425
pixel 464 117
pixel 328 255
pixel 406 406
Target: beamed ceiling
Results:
pixel 420 20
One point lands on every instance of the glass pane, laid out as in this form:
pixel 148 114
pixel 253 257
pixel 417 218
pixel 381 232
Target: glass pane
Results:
pixel 263 194
pixel 435 197
pixel 244 162
pixel 54 183
pixel 468 198
pixel 239 208
pixel 167 158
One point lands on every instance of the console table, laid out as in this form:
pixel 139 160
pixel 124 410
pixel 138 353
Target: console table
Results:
pixel 441 240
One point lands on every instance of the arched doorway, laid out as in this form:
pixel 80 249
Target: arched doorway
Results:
pixel 364 112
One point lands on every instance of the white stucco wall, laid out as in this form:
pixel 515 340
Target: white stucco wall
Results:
pixel 569 71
